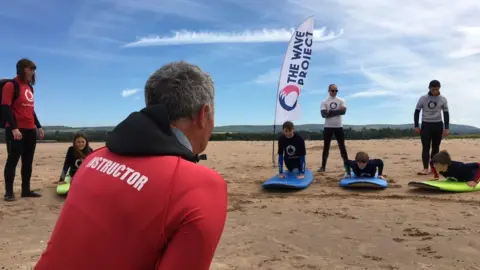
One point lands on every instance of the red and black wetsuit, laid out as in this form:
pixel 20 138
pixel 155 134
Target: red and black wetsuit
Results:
pixel 463 172
pixel 19 114
pixel 141 202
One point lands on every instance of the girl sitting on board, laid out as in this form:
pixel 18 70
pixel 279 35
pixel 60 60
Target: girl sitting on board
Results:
pixel 443 164
pixel 291 150
pixel 75 156
pixel 363 166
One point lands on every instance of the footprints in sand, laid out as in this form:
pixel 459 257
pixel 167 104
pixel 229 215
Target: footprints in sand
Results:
pixel 373 258
pixel 325 214
pixel 237 205
pixel 428 252
pixel 419 235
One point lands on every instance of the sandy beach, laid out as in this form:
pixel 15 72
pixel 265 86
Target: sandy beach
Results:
pixel 321 227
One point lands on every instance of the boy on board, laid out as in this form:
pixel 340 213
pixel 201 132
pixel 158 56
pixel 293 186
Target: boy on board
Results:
pixel 443 164
pixel 291 150
pixel 363 166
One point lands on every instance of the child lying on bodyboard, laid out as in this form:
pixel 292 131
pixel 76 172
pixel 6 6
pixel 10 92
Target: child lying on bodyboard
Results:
pixel 363 166
pixel 443 164
pixel 291 150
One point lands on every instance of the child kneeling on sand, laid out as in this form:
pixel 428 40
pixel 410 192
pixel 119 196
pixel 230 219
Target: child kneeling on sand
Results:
pixel 291 150
pixel 363 166
pixel 443 164
pixel 75 156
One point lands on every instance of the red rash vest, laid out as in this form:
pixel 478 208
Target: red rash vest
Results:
pixel 140 203
pixel 23 107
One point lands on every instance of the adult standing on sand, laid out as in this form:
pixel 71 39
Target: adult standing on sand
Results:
pixel 432 129
pixel 142 202
pixel 332 109
pixel 21 126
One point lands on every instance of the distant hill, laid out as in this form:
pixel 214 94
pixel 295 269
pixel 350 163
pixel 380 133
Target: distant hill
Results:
pixel 460 129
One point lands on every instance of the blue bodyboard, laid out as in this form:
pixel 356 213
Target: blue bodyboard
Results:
pixel 290 181
pixel 363 182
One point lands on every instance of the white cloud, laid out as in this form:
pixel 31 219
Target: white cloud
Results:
pixel 130 92
pixel 256 36
pixel 372 93
pixel 400 45
pixel 269 77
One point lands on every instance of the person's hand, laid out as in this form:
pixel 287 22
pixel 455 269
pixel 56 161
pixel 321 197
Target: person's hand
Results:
pixel 17 135
pixel 417 131
pixel 343 108
pixel 445 133
pixel 281 175
pixel 301 176
pixel 381 177
pixel 41 133
pixel 472 184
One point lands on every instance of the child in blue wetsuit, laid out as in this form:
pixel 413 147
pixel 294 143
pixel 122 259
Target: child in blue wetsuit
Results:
pixel 291 150
pixel 75 156
pixel 442 163
pixel 363 166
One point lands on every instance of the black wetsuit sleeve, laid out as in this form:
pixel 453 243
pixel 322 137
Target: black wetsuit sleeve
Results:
pixel 69 161
pixel 302 151
pixel 37 123
pixel 379 164
pixel 280 146
pixel 416 118
pixel 446 118
pixel 336 112
pixel 9 117
pixel 348 165
pixel 324 113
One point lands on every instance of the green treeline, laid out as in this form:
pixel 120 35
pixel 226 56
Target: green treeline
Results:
pixel 350 134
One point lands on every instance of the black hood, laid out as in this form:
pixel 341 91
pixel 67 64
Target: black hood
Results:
pixel 147 133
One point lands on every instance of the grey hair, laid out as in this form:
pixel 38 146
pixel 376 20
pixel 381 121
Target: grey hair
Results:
pixel 183 88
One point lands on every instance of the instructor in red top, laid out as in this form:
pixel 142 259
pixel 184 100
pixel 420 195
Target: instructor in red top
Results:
pixel 142 202
pixel 21 124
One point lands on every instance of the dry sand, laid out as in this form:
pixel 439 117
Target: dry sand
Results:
pixel 322 227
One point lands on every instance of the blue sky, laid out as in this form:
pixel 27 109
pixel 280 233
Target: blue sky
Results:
pixel 94 56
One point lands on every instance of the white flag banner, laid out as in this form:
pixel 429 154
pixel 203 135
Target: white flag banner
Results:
pixel 294 73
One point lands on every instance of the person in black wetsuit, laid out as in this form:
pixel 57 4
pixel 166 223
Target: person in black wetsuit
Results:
pixel 432 129
pixel 75 156
pixel 363 166
pixel 291 150
pixel 443 164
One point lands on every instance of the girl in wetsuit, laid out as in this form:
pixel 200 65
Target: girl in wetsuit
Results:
pixel 443 164
pixel 432 128
pixel 75 156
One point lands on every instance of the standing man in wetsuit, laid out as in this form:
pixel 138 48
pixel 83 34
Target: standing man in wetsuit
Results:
pixel 21 126
pixel 432 104
pixel 332 109
pixel 143 202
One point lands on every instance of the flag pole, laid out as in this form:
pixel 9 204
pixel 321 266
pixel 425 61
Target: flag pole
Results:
pixel 278 88
pixel 277 97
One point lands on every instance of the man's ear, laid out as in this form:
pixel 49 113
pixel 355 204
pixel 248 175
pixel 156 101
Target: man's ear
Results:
pixel 204 115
